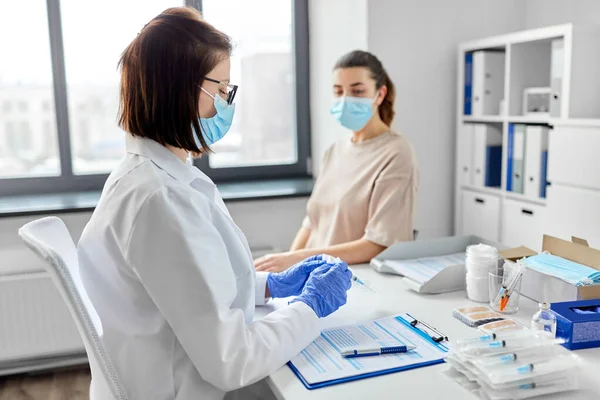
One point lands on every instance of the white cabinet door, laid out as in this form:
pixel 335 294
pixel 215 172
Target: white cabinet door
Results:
pixel 574 212
pixel 574 156
pixel 523 224
pixel 481 215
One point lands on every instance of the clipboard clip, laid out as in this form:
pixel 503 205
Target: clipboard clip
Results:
pixel 437 336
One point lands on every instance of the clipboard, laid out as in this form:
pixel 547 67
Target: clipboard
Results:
pixel 404 320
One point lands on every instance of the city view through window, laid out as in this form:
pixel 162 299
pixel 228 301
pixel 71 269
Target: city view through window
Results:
pixel 264 129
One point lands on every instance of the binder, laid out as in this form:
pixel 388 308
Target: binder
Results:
pixel 509 156
pixel 518 164
pixel 468 82
pixel 487 82
pixel 493 166
pixel 556 76
pixel 537 142
pixel 544 174
pixel 465 155
pixel 484 135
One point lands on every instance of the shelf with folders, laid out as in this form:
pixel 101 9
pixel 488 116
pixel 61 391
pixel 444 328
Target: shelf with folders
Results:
pixel 512 91
pixel 480 152
pixel 525 163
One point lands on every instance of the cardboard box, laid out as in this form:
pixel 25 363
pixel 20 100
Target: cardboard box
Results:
pixel 580 329
pixel 545 288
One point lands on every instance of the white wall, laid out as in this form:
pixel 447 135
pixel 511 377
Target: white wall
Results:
pixel 266 223
pixel 416 40
pixel 335 28
pixel 539 13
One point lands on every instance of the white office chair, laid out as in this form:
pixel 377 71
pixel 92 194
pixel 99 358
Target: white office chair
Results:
pixel 50 239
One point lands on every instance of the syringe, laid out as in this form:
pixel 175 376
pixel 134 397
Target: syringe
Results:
pixel 356 280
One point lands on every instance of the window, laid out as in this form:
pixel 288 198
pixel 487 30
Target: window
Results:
pixel 24 83
pixel 270 134
pixel 97 143
pixel 264 129
pixel 59 101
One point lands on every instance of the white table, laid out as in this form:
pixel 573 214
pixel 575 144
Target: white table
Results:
pixel 421 383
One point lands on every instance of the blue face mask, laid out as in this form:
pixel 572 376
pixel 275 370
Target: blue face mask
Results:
pixel 569 271
pixel 352 112
pixel 214 128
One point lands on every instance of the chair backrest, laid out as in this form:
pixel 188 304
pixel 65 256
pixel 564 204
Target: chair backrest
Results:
pixel 50 239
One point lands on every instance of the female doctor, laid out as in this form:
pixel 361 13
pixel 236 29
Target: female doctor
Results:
pixel 169 273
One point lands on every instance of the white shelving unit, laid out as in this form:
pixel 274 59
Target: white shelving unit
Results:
pixel 572 203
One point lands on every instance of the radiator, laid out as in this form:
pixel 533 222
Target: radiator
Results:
pixel 35 324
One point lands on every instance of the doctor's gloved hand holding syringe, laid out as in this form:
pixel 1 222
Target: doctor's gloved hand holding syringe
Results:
pixel 320 282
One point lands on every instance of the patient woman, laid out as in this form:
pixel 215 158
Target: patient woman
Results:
pixel 364 197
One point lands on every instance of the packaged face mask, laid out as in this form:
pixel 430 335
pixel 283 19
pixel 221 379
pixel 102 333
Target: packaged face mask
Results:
pixel 568 271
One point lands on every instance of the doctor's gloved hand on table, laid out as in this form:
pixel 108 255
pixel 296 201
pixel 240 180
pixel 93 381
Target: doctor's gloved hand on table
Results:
pixel 320 283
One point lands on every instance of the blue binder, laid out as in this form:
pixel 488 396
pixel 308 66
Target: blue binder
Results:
pixel 544 174
pixel 420 332
pixel 493 166
pixel 468 82
pixel 509 155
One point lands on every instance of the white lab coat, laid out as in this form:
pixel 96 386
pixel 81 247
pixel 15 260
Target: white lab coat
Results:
pixel 172 279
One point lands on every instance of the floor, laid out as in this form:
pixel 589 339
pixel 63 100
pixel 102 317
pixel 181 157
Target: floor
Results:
pixel 65 385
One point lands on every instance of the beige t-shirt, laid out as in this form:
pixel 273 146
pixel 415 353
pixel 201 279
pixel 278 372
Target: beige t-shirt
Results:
pixel 365 190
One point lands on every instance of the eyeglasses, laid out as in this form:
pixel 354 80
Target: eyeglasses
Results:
pixel 231 89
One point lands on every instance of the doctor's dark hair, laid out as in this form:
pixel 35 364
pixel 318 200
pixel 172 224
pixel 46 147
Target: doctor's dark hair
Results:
pixel 161 71
pixel 359 58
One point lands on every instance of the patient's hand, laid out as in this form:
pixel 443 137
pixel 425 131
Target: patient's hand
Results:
pixel 277 262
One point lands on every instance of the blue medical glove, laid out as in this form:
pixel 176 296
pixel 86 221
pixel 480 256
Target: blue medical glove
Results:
pixel 325 289
pixel 291 281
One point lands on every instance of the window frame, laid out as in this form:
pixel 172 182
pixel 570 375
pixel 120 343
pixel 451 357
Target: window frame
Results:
pixel 67 181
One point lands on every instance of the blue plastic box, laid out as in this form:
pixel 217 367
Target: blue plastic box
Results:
pixel 578 323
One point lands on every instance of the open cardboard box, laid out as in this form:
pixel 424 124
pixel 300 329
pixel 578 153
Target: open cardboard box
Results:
pixel 545 288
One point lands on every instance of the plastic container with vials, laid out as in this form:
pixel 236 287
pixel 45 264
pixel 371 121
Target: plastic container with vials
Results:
pixel 519 371
pixel 508 345
pixel 490 337
pixel 531 389
pixel 523 356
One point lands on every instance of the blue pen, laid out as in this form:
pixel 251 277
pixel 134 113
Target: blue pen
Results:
pixel 376 351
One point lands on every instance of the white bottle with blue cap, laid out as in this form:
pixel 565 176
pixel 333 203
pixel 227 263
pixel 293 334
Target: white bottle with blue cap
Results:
pixel 544 320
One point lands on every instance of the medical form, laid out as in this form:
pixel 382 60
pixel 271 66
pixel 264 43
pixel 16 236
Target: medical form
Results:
pixel 321 362
pixel 423 269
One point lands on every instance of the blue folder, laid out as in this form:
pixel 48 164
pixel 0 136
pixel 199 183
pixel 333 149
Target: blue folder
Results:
pixel 509 160
pixel 468 82
pixel 420 332
pixel 544 174
pixel 493 166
